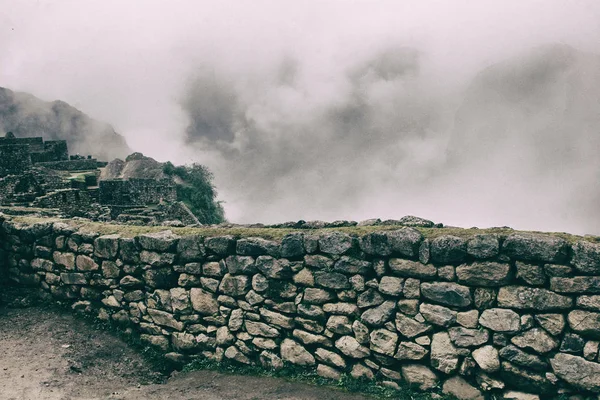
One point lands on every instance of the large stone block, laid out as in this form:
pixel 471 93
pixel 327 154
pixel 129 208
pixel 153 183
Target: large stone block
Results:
pixel 448 249
pixel 586 257
pixel 414 269
pixel 536 247
pixel 450 294
pixel 527 298
pixel 577 371
pixel 106 246
pixel 484 274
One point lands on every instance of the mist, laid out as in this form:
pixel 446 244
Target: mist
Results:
pixel 468 113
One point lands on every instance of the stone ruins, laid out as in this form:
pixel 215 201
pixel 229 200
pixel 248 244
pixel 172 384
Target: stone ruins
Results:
pixel 41 176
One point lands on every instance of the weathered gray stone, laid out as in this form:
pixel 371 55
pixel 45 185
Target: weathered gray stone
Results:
pixel 410 351
pixel 484 298
pixel 577 371
pixel 203 302
pixel 73 278
pixel 156 259
pixel 578 284
pixel 589 302
pixel 361 332
pixel 349 309
pixel 233 353
pixel 106 246
pixel 317 296
pixel 487 358
pixel 383 342
pixel 535 339
pixel 468 319
pixel 447 293
pixel 379 315
pixel 530 273
pixel 437 315
pixel 412 288
pixel 414 269
pixel 339 324
pixel 590 350
pixel 519 357
pixel 558 270
pixel 360 371
pixel 159 241
pixel 369 298
pixel 552 323
pixel 273 268
pixel 255 246
pixel 444 356
pixel 571 343
pixel 305 278
pixel 405 241
pixel 419 376
pixel 220 245
pixel 501 320
pixel 329 357
pixel 535 247
pixel 408 307
pixel 409 327
pixel 331 280
pixel 525 298
pixel 483 246
pixel 292 246
pixel 295 353
pixel 191 248
pixel 483 274
pixel 276 319
pixel 336 243
pixel 66 260
pixel 391 286
pixel 328 372
pixel 586 257
pixel 165 319
pixel 448 249
pixel 424 252
pixel 308 338
pixel 464 337
pixel 586 323
pixel 260 329
pixel 461 389
pixel 243 265
pixel 235 285
pixel 447 273
pixel 376 244
pixel 130 282
pixel 350 347
pixel 351 266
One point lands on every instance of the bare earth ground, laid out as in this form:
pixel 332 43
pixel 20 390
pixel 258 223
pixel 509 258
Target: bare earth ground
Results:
pixel 48 354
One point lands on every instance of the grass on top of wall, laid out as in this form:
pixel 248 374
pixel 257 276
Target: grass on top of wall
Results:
pixel 278 233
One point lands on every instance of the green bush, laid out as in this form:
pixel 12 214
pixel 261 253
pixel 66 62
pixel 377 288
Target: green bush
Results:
pixel 197 191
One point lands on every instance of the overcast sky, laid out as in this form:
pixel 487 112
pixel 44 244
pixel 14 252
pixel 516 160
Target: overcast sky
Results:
pixel 276 78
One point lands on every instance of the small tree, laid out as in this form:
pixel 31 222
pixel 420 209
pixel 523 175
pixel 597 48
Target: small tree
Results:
pixel 197 191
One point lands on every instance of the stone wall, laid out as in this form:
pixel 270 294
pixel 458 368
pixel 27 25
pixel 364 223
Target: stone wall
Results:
pixel 85 164
pixel 14 159
pixel 136 192
pixel 479 316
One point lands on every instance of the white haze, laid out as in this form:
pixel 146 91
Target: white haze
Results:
pixel 311 109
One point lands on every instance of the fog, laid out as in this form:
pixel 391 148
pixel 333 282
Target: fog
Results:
pixel 339 109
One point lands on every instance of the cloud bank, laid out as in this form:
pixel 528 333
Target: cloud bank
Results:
pixel 336 109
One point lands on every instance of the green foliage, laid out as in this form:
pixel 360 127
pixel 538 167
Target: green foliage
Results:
pixel 195 189
pixel 294 373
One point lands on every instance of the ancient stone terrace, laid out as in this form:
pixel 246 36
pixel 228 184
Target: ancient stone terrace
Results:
pixel 42 174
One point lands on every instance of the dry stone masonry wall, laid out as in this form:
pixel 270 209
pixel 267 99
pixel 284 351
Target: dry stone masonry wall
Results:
pixel 480 316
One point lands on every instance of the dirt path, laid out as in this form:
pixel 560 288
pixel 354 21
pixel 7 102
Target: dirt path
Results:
pixel 47 354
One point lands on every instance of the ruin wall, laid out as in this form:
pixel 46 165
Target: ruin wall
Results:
pixel 478 316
